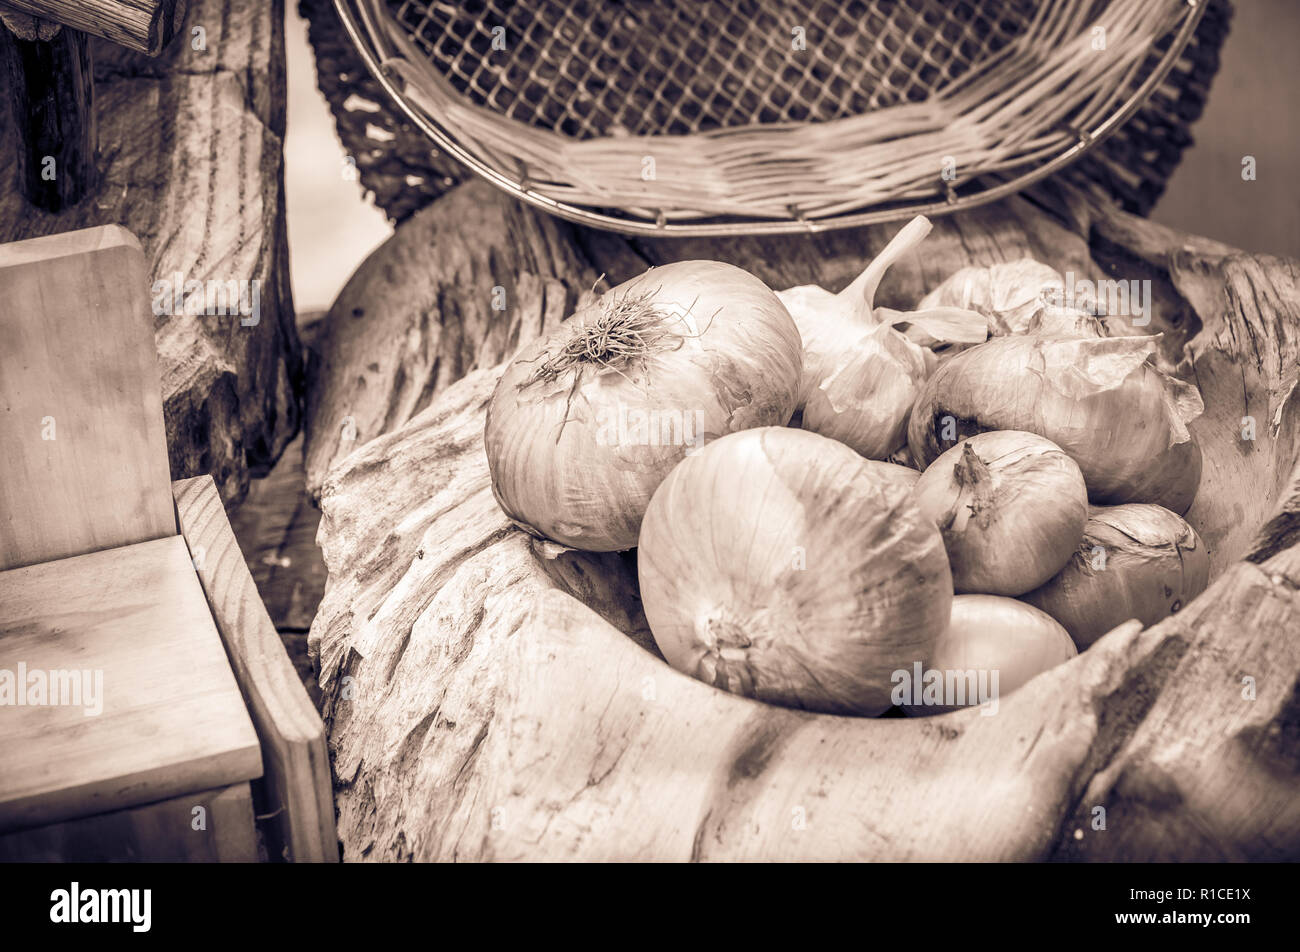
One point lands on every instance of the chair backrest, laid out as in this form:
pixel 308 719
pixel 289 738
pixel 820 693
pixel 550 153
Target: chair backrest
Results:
pixel 83 448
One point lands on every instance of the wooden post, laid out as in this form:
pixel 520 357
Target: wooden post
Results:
pixel 51 98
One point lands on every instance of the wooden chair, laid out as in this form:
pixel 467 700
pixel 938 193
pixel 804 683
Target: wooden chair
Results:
pixel 124 598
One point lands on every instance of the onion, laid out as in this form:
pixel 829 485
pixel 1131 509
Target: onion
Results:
pixel 1008 294
pixel 780 565
pixel 994 643
pixel 1135 561
pixel 1099 399
pixel 1011 507
pixel 861 374
pixel 585 423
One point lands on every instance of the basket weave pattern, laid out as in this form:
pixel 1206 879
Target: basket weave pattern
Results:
pixel 563 80
pixel 589 69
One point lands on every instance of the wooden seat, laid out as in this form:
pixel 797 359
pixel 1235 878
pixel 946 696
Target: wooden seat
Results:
pixel 128 595
pixel 163 715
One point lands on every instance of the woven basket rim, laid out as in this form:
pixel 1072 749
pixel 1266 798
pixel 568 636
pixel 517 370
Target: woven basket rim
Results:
pixel 359 27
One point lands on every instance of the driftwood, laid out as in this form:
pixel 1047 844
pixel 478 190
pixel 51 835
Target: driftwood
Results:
pixel 190 161
pixel 491 697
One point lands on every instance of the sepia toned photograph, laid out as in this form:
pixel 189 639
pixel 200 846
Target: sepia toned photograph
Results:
pixel 649 432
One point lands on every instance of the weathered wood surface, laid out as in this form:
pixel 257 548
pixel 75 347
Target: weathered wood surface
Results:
pixel 51 105
pixel 144 25
pixel 485 700
pixel 191 163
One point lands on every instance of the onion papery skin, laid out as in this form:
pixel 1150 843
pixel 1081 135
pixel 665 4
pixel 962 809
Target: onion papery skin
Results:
pixel 1135 561
pixel 1099 399
pixel 1054 321
pixel 994 633
pixel 1011 507
pixel 1009 294
pixel 576 458
pixel 860 389
pixel 780 565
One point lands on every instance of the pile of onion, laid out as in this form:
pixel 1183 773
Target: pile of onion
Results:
pixel 781 565
pixel 1135 561
pixel 1099 398
pixel 1011 507
pixel 993 635
pixel 585 423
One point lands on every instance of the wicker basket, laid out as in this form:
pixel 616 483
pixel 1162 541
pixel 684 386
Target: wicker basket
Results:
pixel 668 118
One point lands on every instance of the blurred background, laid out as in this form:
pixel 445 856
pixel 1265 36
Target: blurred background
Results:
pixel 1251 112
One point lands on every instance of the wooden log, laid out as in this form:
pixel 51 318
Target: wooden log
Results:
pixel 51 105
pixel 295 786
pixel 491 697
pixel 191 146
pixel 143 25
pixel 471 280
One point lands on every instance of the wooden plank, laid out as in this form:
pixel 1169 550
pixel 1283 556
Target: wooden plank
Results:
pixel 276 527
pixel 191 161
pixel 208 826
pixel 85 454
pixel 296 780
pixel 170 717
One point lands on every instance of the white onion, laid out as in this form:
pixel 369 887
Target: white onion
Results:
pixel 1011 507
pixel 861 374
pixel 1056 321
pixel 1135 561
pixel 780 565
pixel 999 643
pixel 585 423
pixel 1099 399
